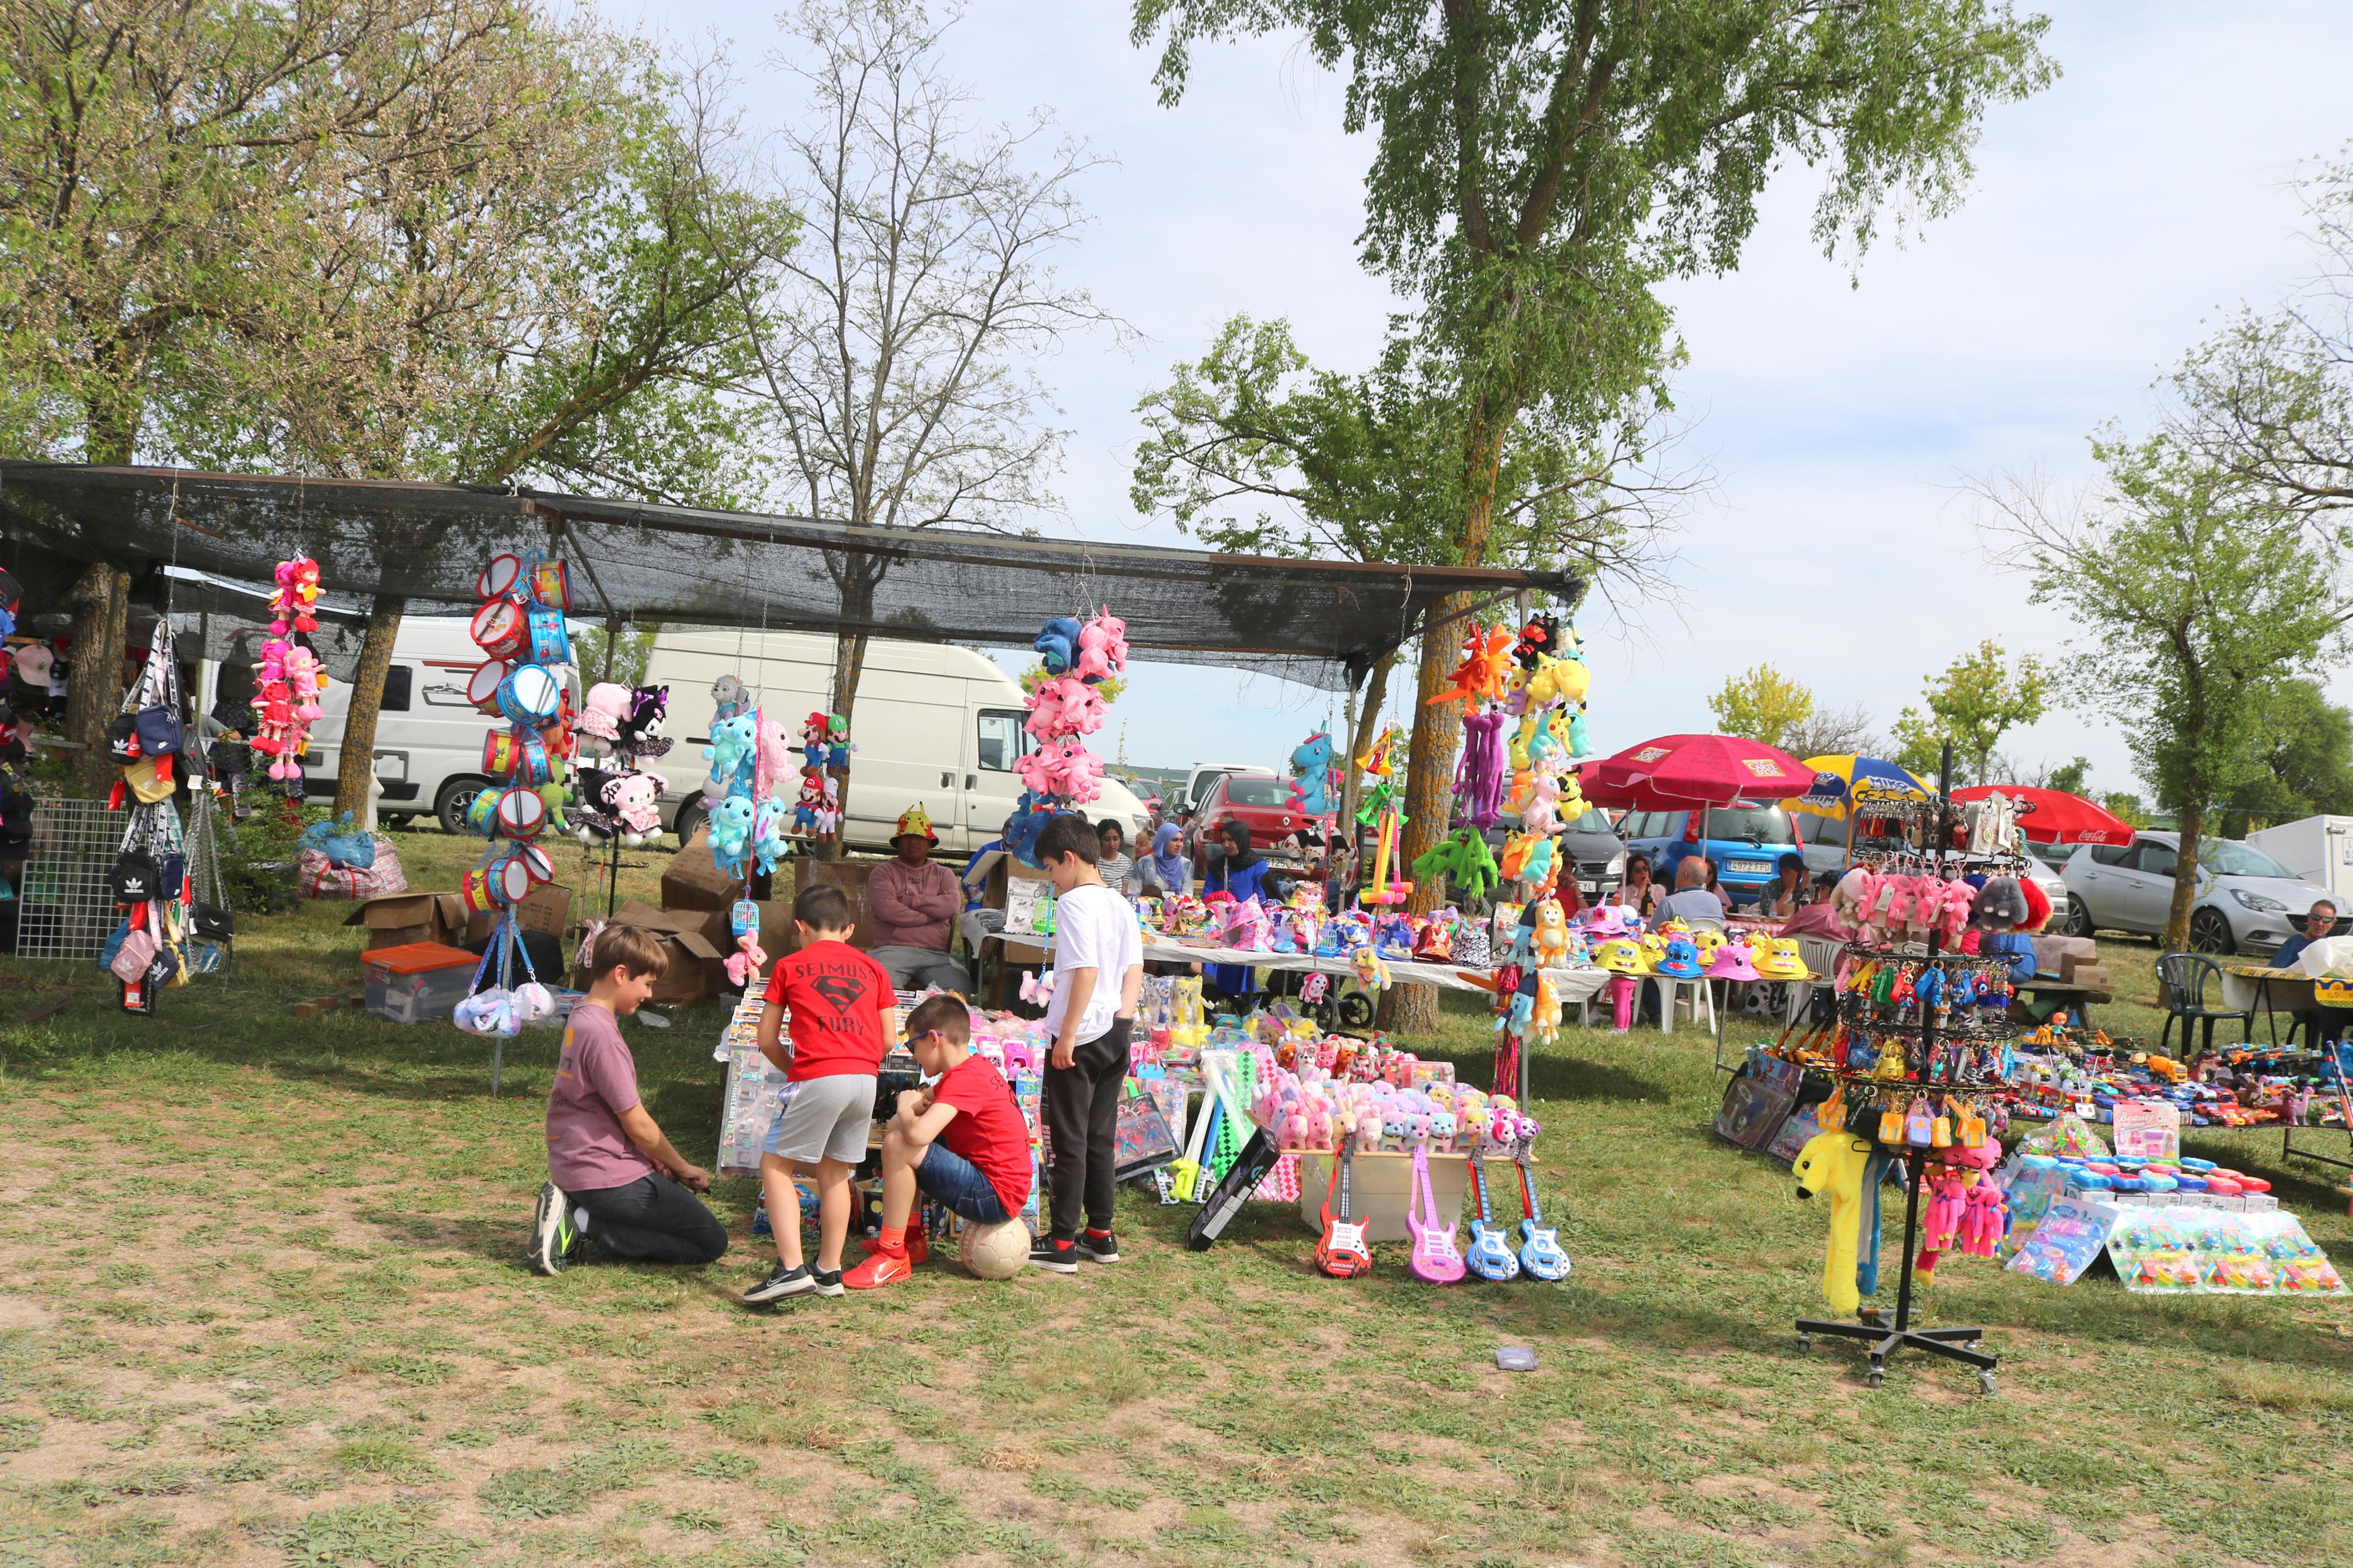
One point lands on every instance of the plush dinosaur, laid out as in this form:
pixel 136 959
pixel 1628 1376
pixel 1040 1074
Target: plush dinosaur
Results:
pixel 1464 857
pixel 1832 1164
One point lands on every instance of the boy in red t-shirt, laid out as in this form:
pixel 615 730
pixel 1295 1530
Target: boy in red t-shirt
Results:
pixel 962 1140
pixel 836 996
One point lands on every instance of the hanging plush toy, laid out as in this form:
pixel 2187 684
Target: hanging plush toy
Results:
pixel 1312 765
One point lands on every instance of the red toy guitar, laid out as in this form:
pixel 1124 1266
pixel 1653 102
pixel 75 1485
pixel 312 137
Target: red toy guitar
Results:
pixel 1342 1252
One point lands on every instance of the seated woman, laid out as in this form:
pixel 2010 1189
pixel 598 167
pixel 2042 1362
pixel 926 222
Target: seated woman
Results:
pixel 1236 869
pixel 1165 872
pixel 1638 893
pixel 1787 892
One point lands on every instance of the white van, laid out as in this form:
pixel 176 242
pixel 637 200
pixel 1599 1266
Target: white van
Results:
pixel 2317 850
pixel 934 724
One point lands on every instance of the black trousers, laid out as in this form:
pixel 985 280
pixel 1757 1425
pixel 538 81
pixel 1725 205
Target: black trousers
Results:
pixel 653 1218
pixel 1080 1104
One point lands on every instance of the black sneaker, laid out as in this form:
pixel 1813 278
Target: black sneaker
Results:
pixel 782 1282
pixel 825 1281
pixel 553 1238
pixel 1063 1259
pixel 1101 1248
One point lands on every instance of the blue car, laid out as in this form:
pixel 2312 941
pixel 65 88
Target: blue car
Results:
pixel 1746 843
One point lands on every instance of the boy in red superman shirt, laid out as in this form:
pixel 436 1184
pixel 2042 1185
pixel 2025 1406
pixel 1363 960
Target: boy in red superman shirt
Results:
pixel 836 996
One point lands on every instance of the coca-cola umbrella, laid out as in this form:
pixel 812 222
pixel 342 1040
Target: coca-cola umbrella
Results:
pixel 1676 772
pixel 2054 816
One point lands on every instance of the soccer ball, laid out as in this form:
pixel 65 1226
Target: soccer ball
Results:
pixel 995 1251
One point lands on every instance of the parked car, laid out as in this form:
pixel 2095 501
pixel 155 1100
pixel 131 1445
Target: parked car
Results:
pixel 2246 901
pixel 1259 801
pixel 1598 852
pixel 1199 782
pixel 1746 843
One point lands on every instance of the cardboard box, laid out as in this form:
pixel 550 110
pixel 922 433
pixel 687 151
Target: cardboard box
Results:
pixel 399 920
pixel 698 963
pixel 1380 1190
pixel 545 913
pixel 693 882
pixel 2090 976
pixel 849 875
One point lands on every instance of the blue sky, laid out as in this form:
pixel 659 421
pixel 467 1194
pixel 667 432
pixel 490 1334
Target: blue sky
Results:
pixel 2113 220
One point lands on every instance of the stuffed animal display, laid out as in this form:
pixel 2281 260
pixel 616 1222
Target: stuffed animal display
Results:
pixel 290 679
pixel 1075 657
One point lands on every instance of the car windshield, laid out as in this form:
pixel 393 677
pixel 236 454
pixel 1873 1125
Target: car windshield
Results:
pixel 2229 858
pixel 1241 791
pixel 1595 820
pixel 1756 824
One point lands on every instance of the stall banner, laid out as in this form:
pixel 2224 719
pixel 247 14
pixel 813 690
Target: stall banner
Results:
pixel 2065 1241
pixel 1029 907
pixel 2149 1129
pixel 2183 1250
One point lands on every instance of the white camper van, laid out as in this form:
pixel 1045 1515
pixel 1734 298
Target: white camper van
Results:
pixel 934 725
pixel 428 738
pixel 2317 850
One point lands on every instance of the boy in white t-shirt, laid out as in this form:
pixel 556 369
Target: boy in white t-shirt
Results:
pixel 1098 973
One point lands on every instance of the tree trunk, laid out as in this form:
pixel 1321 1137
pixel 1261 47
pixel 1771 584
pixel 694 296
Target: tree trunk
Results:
pixel 356 758
pixel 101 600
pixel 2185 873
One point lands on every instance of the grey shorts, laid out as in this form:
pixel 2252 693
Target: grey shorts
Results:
pixel 823 1118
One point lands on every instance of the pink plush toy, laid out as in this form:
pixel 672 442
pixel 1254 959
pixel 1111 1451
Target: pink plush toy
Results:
pixel 1941 1226
pixel 1988 1216
pixel 747 959
pixel 603 709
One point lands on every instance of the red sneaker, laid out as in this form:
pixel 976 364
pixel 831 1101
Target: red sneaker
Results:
pixel 881 1268
pixel 919 1246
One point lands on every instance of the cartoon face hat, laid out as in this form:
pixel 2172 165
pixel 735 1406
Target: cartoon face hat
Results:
pixel 1776 958
pixel 1605 922
pixel 1731 963
pixel 1680 960
pixel 1674 925
pixel 1653 947
pixel 1708 940
pixel 914 822
pixel 1620 955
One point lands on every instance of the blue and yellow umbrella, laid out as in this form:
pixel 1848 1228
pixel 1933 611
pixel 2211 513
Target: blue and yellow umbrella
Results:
pixel 1845 780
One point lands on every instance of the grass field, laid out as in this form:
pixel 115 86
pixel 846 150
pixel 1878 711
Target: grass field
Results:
pixel 261 1302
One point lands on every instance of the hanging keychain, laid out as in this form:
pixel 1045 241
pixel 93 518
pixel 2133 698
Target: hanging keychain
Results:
pixel 1917 1129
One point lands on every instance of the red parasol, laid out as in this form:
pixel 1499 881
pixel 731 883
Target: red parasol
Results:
pixel 1677 771
pixel 2054 816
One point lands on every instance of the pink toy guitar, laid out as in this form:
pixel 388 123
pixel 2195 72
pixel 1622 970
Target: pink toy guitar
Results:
pixel 1435 1260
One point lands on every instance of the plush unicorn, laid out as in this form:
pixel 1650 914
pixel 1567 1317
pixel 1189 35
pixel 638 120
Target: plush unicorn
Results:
pixel 1310 763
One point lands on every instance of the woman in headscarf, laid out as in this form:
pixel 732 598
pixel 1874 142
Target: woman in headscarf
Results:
pixel 1237 870
pixel 1165 872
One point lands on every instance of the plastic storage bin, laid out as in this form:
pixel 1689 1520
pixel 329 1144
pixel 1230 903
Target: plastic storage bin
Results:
pixel 417 982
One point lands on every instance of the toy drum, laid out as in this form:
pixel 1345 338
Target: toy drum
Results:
pixel 549 643
pixel 476 887
pixel 482 686
pixel 537 869
pixel 551 583
pixel 522 814
pixel 533 767
pixel 500 628
pixel 510 880
pixel 481 814
pixel 501 753
pixel 529 695
pixel 499 578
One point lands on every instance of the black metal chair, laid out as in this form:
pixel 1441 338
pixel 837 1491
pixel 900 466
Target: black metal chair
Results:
pixel 2185 977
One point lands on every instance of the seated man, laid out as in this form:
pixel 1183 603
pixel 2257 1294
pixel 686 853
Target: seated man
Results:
pixel 1690 900
pixel 2322 1024
pixel 961 1140
pixel 913 902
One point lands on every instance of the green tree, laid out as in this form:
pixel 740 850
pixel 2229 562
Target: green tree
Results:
pixel 2070 778
pixel 2306 743
pixel 1980 696
pixel 1541 168
pixel 2192 599
pixel 1762 704
pixel 2127 807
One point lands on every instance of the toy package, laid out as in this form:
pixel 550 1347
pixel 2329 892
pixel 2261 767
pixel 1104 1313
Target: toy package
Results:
pixel 2067 1240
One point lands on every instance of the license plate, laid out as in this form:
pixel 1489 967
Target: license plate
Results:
pixel 1748 868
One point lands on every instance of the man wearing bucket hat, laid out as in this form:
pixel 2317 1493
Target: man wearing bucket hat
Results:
pixel 915 903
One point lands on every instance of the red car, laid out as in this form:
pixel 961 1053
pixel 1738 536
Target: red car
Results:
pixel 1263 802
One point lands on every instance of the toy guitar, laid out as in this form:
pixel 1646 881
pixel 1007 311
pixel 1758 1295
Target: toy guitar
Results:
pixel 1435 1260
pixel 1249 1168
pixel 1490 1256
pixel 1540 1250
pixel 1342 1253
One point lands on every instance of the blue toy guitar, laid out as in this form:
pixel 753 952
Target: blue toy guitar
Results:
pixel 1540 1249
pixel 1490 1254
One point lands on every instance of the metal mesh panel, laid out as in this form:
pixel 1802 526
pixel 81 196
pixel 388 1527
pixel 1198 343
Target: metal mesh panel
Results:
pixel 64 909
pixel 1323 622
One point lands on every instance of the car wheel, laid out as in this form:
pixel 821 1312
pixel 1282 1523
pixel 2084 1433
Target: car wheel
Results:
pixel 2210 932
pixel 450 804
pixel 690 817
pixel 2079 919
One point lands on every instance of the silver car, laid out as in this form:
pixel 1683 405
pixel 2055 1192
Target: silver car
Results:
pixel 2246 900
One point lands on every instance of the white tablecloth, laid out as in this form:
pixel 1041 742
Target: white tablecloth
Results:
pixel 1571 984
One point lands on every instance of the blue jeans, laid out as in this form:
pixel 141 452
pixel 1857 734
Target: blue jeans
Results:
pixel 956 1182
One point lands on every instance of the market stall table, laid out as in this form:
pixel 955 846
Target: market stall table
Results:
pixel 1580 985
pixel 2247 985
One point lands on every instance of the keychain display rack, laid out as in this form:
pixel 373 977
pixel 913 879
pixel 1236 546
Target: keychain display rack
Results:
pixel 1927 1038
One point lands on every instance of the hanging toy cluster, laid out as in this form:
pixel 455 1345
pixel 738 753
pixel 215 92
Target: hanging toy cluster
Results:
pixel 520 629
pixel 618 727
pixel 1380 805
pixel 149 951
pixel 1064 709
pixel 825 769
pixel 286 701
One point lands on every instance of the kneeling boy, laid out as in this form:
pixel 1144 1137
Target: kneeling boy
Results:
pixel 961 1140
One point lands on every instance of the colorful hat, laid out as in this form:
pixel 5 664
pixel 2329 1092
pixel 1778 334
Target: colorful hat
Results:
pixel 1620 955
pixel 1682 960
pixel 1605 922
pixel 1731 963
pixel 1777 958
pixel 1653 947
pixel 33 664
pixel 914 821
pixel 1707 938
pixel 1674 925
